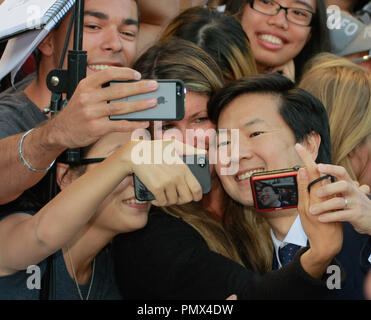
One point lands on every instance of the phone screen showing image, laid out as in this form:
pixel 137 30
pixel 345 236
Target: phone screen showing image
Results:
pixel 275 191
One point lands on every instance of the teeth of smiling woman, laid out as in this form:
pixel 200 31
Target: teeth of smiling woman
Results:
pixel 135 201
pixel 98 66
pixel 248 174
pixel 271 39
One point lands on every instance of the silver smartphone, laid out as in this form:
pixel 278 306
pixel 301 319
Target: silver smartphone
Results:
pixel 170 102
pixel 199 166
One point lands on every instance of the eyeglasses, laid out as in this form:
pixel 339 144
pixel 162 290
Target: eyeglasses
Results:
pixel 299 16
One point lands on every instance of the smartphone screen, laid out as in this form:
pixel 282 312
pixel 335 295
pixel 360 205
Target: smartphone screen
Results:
pixel 170 103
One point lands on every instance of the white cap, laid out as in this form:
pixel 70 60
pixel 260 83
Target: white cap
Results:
pixel 353 36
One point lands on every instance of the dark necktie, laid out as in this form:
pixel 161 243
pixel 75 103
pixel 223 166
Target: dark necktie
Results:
pixel 287 253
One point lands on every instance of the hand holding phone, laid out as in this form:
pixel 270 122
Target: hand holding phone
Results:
pixel 170 97
pixel 199 166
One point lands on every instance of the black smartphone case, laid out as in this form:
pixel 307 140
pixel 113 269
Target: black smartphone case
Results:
pixel 199 166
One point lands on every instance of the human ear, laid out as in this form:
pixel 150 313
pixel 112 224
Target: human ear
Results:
pixel 357 150
pixel 312 143
pixel 47 45
pixel 65 175
pixel 309 37
pixel 356 156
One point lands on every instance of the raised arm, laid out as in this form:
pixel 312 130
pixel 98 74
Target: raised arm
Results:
pixel 27 240
pixel 325 239
pixel 82 121
pixel 154 17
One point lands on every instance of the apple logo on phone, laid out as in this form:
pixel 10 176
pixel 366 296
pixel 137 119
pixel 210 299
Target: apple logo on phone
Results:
pixel 161 100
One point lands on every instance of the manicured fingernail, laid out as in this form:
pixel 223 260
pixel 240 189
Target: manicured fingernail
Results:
pixel 152 84
pixel 313 209
pixel 137 75
pixel 321 167
pixel 152 102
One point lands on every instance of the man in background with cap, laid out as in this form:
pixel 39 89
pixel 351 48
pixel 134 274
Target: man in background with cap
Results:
pixel 349 6
pixel 351 36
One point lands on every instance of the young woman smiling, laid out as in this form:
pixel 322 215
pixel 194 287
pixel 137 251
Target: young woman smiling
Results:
pixel 283 34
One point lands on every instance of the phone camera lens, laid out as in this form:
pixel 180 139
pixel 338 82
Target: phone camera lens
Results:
pixel 201 162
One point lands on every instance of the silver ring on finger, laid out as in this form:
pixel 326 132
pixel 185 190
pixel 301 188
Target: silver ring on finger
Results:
pixel 346 202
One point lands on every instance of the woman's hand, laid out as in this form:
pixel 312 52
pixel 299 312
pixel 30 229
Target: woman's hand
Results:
pixel 348 201
pixel 158 165
pixel 325 238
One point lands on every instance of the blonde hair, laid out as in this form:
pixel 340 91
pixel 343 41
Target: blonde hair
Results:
pixel 241 235
pixel 251 232
pixel 211 230
pixel 181 59
pixel 344 88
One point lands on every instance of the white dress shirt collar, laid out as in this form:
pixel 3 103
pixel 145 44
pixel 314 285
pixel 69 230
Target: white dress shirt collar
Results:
pixel 296 235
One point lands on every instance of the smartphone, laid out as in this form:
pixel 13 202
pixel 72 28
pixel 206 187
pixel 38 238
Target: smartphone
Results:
pixel 170 102
pixel 275 190
pixel 199 166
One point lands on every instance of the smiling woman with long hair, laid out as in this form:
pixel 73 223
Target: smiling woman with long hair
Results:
pixel 279 34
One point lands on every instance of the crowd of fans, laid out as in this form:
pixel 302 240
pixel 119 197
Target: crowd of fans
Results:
pixel 295 87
